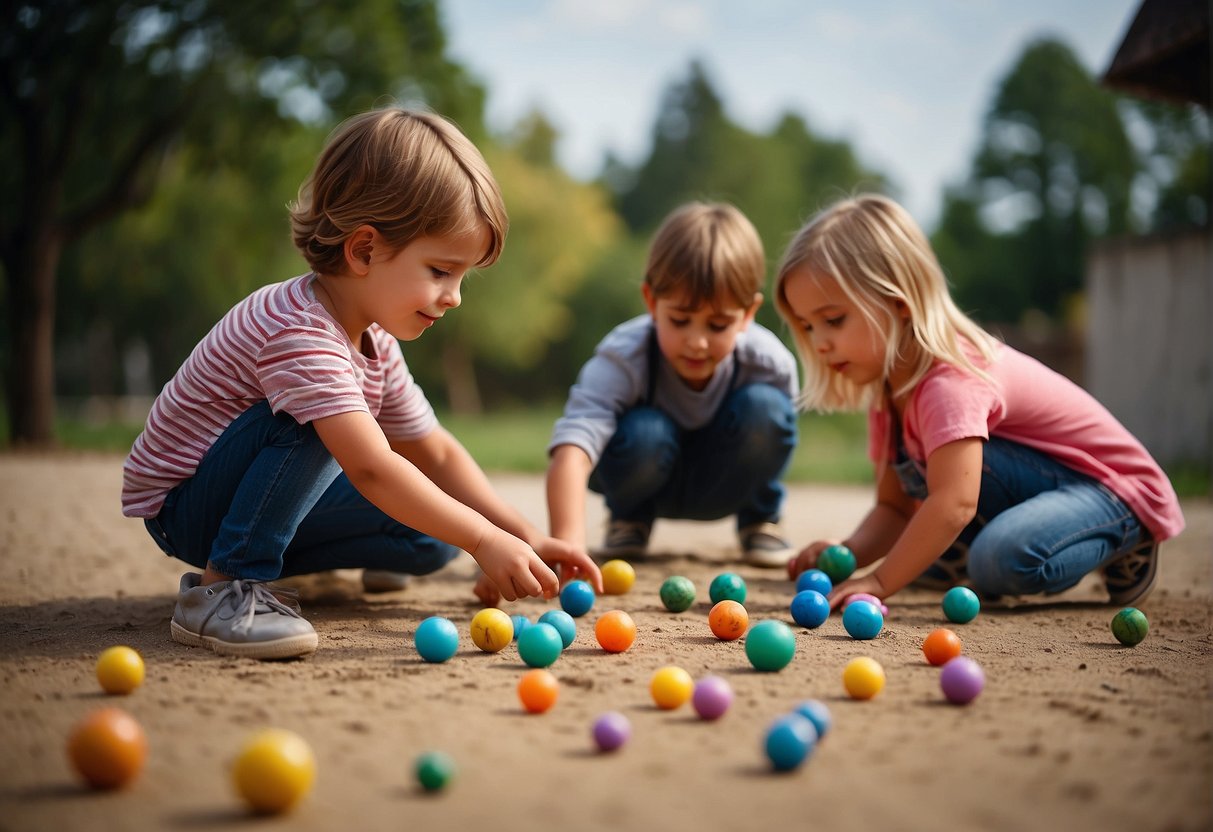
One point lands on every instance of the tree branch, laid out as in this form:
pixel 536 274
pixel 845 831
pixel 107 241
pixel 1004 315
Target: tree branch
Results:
pixel 126 188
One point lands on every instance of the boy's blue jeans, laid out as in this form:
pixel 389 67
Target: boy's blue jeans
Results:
pixel 268 501
pixel 1040 526
pixel 653 468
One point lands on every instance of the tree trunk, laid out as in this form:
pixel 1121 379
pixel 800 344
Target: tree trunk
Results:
pixel 31 312
pixel 461 388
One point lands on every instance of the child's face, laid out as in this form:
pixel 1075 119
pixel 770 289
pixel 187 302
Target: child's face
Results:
pixel 843 338
pixel 406 292
pixel 696 339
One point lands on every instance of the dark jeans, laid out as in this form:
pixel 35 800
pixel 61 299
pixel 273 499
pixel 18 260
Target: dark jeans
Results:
pixel 1040 526
pixel 269 501
pixel 653 468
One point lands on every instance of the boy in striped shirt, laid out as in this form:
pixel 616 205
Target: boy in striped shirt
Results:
pixel 294 440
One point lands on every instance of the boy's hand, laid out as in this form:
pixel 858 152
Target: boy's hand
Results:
pixel 514 567
pixel 573 561
pixel 487 591
pixel 807 559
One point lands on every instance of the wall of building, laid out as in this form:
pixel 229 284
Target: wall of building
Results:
pixel 1149 342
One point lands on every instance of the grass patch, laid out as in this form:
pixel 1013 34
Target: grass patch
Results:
pixel 514 440
pixel 832 447
pixel 103 436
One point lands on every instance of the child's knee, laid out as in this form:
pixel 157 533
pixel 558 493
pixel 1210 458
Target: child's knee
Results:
pixel 766 418
pixel 1006 565
pixel 764 401
pixel 644 433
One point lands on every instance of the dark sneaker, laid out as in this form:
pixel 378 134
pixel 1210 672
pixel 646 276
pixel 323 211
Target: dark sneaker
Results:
pixel 383 580
pixel 949 569
pixel 626 539
pixel 1131 576
pixel 239 618
pixel 763 544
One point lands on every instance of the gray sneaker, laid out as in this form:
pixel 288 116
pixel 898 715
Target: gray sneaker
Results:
pixel 764 545
pixel 239 618
pixel 383 580
pixel 625 539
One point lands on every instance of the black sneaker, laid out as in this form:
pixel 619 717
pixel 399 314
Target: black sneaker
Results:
pixel 764 545
pixel 1130 577
pixel 949 570
pixel 626 539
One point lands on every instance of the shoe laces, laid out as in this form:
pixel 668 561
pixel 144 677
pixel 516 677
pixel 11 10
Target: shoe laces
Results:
pixel 250 598
pixel 1129 568
pixel 763 536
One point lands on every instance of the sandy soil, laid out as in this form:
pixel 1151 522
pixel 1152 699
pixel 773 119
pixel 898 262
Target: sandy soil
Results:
pixel 1073 731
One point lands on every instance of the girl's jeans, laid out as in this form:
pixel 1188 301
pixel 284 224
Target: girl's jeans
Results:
pixel 269 501
pixel 653 468
pixel 1040 526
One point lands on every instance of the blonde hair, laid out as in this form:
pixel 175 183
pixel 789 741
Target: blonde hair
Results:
pixel 406 173
pixel 710 252
pixel 880 257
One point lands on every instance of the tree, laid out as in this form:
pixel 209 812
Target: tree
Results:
pixel 1175 162
pixel 96 94
pixel 514 312
pixel 1055 168
pixel 158 278
pixel 778 179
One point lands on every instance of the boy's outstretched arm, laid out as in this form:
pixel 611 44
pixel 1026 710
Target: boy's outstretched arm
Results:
pixel 405 493
pixel 442 458
pixel 568 473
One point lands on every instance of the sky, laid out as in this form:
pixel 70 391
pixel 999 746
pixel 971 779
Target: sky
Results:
pixel 907 83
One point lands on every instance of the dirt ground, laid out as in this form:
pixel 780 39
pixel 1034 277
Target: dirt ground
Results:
pixel 1073 730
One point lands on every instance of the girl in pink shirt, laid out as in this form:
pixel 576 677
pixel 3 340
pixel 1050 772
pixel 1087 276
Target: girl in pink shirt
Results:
pixel 991 468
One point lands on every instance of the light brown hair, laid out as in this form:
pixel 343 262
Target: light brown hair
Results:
pixel 406 173
pixel 710 252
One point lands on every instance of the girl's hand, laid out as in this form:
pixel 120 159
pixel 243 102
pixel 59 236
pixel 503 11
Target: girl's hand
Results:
pixel 807 559
pixel 571 561
pixel 853 586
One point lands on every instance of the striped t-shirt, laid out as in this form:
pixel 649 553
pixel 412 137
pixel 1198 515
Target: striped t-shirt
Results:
pixel 278 345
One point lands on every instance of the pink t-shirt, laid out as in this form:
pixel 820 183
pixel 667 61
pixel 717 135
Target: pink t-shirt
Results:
pixel 1031 404
pixel 278 345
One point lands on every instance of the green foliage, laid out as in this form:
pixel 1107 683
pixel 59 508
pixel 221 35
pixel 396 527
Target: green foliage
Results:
pixel 514 313
pixel 166 273
pixel 1175 162
pixel 698 152
pixel 102 96
pixel 558 227
pixel 778 179
pixel 1055 170
pixel 833 448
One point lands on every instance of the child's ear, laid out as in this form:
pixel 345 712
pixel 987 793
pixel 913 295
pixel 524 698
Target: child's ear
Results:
pixel 753 310
pixel 358 248
pixel 650 300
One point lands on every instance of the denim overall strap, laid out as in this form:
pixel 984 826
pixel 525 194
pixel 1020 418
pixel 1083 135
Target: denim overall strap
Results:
pixel 909 473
